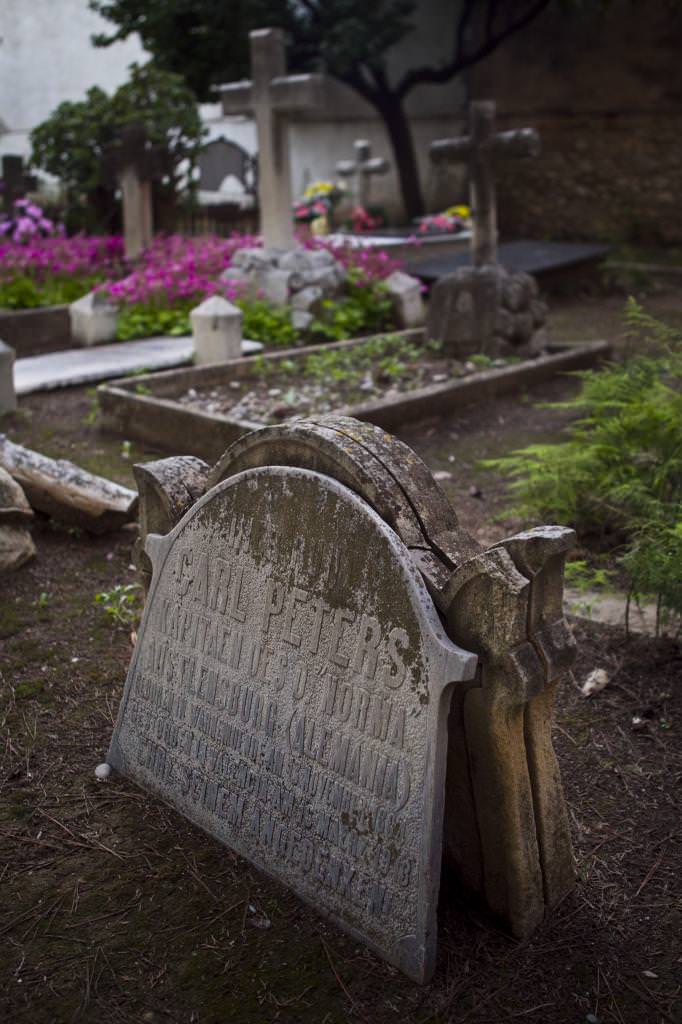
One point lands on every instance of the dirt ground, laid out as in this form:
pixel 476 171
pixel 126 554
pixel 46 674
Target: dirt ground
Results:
pixel 112 907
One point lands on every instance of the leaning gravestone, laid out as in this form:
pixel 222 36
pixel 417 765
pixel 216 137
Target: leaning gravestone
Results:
pixel 291 692
pixel 290 696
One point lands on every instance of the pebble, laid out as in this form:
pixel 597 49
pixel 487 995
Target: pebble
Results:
pixel 274 392
pixel 439 378
pixel 102 772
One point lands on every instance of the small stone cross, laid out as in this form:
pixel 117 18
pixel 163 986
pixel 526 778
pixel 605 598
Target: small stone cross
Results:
pixel 481 149
pixel 134 162
pixel 272 97
pixel 15 182
pixel 362 168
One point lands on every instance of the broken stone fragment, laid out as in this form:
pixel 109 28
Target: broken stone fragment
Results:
pixel 14 508
pixel 66 492
pixel 275 284
pixel 406 299
pixel 16 547
pixel 301 319
pixel 255 259
pixel 16 544
pixel 308 299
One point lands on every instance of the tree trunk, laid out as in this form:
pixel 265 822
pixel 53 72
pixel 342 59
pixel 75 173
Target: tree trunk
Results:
pixel 394 117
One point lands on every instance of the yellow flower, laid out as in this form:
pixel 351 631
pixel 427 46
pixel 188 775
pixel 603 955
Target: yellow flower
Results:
pixel 458 211
pixel 318 188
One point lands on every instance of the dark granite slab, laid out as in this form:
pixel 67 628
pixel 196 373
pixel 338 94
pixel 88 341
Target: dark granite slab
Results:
pixel 536 258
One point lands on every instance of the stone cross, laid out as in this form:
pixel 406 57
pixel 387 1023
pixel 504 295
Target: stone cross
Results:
pixel 481 149
pixel 271 97
pixel 362 168
pixel 15 182
pixel 134 162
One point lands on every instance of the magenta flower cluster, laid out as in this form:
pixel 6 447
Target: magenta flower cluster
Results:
pixel 175 269
pixel 82 255
pixel 366 264
pixel 27 221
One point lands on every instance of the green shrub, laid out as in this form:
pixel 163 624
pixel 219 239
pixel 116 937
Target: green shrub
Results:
pixel 25 292
pixel 620 471
pixel 269 324
pixel 365 310
pixel 146 321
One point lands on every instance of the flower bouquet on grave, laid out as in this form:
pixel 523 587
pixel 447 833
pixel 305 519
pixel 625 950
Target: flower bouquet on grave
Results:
pixel 450 221
pixel 363 219
pixel 316 206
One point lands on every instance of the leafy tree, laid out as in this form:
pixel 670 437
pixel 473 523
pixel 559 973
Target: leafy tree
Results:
pixel 72 143
pixel 206 41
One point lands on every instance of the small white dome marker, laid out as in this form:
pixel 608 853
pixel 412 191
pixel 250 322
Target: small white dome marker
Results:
pixel 102 772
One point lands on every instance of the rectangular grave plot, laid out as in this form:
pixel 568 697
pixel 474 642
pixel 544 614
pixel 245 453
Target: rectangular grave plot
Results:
pixel 289 695
pixel 158 417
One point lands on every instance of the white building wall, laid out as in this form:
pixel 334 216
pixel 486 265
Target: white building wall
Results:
pixel 46 56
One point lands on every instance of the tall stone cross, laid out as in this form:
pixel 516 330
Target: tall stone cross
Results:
pixel 271 96
pixel 481 149
pixel 134 162
pixel 362 168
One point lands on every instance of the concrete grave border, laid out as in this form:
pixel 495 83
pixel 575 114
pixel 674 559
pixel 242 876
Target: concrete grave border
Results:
pixel 159 419
pixel 36 331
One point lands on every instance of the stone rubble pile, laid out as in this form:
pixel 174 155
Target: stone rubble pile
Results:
pixel 300 278
pixel 487 309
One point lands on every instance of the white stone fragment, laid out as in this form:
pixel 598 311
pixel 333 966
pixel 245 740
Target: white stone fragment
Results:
pixel 594 682
pixel 406 298
pixel 102 772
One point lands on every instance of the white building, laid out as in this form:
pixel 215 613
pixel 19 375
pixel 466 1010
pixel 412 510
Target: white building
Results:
pixel 46 57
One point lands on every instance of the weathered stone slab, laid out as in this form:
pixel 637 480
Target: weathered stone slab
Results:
pixel 66 492
pixel 289 694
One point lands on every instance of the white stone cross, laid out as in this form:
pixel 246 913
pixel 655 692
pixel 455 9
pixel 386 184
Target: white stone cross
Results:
pixel 481 148
pixel 362 168
pixel 271 96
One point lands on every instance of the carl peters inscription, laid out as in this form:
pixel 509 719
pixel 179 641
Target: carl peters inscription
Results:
pixel 289 694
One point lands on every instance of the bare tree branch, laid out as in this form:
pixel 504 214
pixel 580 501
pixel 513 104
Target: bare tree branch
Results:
pixel 437 76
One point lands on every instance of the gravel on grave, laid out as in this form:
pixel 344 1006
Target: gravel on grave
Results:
pixel 293 390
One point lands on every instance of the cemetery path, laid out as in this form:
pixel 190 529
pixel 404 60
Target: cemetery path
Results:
pixel 114 908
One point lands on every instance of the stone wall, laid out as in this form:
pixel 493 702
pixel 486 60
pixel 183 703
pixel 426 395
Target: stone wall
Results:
pixel 605 93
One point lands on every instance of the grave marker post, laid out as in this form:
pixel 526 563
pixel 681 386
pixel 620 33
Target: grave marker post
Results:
pixel 134 162
pixel 362 168
pixel 15 181
pixel 272 96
